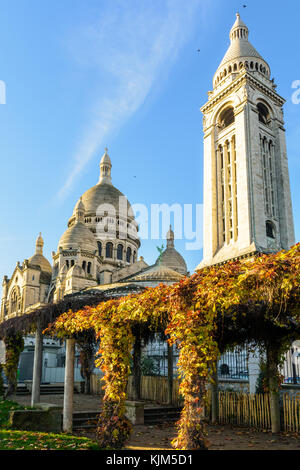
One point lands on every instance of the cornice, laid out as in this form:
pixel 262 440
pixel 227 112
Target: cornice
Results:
pixel 242 80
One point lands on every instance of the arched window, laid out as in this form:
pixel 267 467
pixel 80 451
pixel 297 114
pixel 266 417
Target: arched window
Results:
pixel 120 252
pixel 109 250
pixel 128 255
pixel 226 118
pixel 14 300
pixel 263 114
pixel 89 267
pixel 270 230
pixel 72 262
pixel 67 263
pixel 84 265
pixel 99 248
pixel 134 257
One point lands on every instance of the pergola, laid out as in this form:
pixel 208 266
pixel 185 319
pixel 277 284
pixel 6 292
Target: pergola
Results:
pixel 242 302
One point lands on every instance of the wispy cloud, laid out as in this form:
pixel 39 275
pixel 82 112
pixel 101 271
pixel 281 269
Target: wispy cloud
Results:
pixel 130 45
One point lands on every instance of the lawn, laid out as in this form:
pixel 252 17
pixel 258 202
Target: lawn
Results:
pixel 28 440
pixel 25 440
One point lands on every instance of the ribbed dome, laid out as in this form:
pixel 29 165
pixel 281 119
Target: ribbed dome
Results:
pixel 39 260
pixel 173 260
pixel 157 273
pixel 78 236
pixel 103 194
pixel 170 258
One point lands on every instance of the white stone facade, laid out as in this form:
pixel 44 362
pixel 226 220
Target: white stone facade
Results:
pixel 247 200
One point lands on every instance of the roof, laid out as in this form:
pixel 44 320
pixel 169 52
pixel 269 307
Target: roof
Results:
pixel 170 258
pixel 103 193
pixel 240 47
pixel 155 272
pixel 78 236
pixel 39 260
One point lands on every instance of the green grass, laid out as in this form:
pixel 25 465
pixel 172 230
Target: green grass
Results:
pixel 28 440
pixel 25 440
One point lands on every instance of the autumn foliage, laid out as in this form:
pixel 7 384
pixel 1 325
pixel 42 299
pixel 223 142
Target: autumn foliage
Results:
pixel 254 300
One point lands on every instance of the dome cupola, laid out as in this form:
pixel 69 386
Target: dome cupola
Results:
pixel 240 55
pixel 170 258
pixel 38 259
pixel 105 169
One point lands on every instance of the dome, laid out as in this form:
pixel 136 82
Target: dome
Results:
pixel 103 193
pixel 170 258
pixel 39 260
pixel 173 260
pixel 157 273
pixel 78 236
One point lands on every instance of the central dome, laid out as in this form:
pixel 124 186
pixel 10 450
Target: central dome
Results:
pixel 103 193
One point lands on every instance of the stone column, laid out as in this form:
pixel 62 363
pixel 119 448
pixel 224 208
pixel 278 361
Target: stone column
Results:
pixel 69 386
pixel 37 365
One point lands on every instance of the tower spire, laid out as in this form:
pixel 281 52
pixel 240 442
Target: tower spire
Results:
pixel 105 168
pixel 39 244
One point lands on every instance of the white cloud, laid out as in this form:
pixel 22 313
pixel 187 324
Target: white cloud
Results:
pixel 129 46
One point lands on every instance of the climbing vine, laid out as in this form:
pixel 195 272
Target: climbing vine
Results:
pixel 14 344
pixel 255 300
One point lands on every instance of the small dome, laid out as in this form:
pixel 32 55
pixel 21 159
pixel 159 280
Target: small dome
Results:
pixel 170 258
pixel 39 260
pixel 78 236
pixel 173 260
pixel 157 273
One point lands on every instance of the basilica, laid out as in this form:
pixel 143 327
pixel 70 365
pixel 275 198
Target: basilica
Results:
pixel 98 250
pixel 247 199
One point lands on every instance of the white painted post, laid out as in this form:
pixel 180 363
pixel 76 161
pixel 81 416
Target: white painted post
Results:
pixel 37 365
pixel 253 369
pixel 69 386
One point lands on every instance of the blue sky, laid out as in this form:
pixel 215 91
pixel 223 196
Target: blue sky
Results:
pixel 83 75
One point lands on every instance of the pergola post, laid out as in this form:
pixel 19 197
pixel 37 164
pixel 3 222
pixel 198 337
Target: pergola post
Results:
pixel 214 388
pixel 37 365
pixel 69 386
pixel 170 374
pixel 137 373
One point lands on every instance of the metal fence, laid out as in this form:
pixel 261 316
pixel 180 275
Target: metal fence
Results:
pixel 233 365
pixel 155 359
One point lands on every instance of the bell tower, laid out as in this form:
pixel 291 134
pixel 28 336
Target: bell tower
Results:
pixel 247 200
